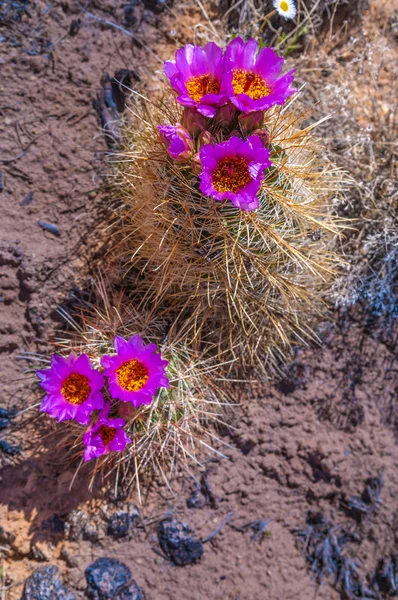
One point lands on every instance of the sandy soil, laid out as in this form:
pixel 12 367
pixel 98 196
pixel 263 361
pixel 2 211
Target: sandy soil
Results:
pixel 305 443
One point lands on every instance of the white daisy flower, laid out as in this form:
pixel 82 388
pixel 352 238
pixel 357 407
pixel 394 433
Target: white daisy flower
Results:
pixel 286 8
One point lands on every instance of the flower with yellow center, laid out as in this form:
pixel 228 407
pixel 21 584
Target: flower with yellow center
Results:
pixel 132 376
pixel 252 80
pixel 76 388
pixel 200 86
pixel 233 170
pixel 196 77
pixel 73 388
pixel 105 435
pixel 136 372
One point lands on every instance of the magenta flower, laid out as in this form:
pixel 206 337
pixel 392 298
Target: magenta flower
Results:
pixel 234 169
pixel 73 388
pixel 177 140
pixel 252 79
pixel 104 436
pixel 196 76
pixel 136 372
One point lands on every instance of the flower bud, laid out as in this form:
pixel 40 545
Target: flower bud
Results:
pixel 226 115
pixel 197 164
pixel 263 135
pixel 205 138
pixel 177 140
pixel 126 410
pixel 250 121
pixel 193 121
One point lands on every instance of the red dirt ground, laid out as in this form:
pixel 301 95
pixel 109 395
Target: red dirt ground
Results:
pixel 296 448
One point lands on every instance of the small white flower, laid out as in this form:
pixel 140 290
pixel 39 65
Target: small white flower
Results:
pixel 286 8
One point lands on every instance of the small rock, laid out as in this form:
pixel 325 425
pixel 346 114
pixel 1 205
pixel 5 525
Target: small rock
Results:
pixel 7 413
pixel 81 526
pixel 44 584
pixel 9 448
pixel 119 524
pixel 177 543
pixel 108 578
pixel 55 523
pixel 157 6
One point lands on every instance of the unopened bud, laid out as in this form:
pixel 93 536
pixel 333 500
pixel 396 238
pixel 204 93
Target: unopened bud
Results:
pixel 205 138
pixel 197 164
pixel 225 115
pixel 263 135
pixel 177 140
pixel 193 121
pixel 249 122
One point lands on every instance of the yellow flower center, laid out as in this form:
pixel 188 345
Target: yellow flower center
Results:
pixel 284 6
pixel 231 175
pixel 247 82
pixel 132 375
pixel 76 388
pixel 200 86
pixel 107 434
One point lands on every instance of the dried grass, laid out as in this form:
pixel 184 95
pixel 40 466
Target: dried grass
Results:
pixel 354 74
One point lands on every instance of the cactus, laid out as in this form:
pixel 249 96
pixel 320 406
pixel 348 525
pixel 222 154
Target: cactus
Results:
pixel 173 424
pixel 244 282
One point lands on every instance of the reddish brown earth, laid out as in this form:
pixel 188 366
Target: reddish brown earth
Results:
pixel 305 443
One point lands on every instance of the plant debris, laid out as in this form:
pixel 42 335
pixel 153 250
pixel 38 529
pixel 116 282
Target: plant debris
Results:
pixel 28 199
pixel 360 506
pixel 51 228
pixel 259 527
pixel 218 528
pixel 323 545
pixel 385 579
pixel 111 103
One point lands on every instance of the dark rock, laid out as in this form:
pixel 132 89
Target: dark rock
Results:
pixel 9 448
pixel 7 413
pixel 108 578
pixel 55 523
pixel 81 526
pixel 177 543
pixel 74 27
pixel 119 524
pixel 157 6
pixel 44 584
pixel 130 17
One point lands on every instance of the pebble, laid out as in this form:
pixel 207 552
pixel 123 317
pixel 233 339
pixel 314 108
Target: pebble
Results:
pixel 108 578
pixel 44 584
pixel 177 543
